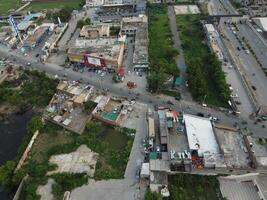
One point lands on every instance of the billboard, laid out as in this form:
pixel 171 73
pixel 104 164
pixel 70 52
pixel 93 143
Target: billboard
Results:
pixel 94 61
pixel 12 22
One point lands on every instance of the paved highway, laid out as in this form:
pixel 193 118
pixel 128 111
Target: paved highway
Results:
pixel 249 65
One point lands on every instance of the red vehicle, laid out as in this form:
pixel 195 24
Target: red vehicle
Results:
pixel 131 85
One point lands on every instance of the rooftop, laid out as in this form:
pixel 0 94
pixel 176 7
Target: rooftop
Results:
pixel 200 135
pixel 95 31
pixel 108 48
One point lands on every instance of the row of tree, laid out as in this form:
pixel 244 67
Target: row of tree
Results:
pixel 161 51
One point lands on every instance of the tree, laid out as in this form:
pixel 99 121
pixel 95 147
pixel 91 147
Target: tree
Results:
pixel 6 174
pixel 35 124
pixel 152 195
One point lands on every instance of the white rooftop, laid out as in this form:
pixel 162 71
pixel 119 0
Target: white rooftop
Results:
pixel 210 27
pixel 200 135
pixel 262 22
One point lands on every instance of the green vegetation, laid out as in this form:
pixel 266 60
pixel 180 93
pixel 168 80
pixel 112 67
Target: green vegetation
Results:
pixel 55 5
pixel 84 22
pixel 33 88
pixel 161 51
pixel 194 187
pixel 67 182
pixel 89 106
pixel 114 30
pixel 263 141
pixel 205 76
pixel 152 195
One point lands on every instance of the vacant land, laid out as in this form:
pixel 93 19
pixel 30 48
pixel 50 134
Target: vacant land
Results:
pixel 194 187
pixel 161 50
pixel 5 6
pixel 112 143
pixel 206 78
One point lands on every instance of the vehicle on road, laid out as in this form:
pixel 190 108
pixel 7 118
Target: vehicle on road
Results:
pixel 200 114
pixel 131 85
pixel 170 102
pixel 253 87
pixel 158 148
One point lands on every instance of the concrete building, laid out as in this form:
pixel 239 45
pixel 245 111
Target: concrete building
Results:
pixel 252 186
pixel 105 53
pixel 95 31
pixel 200 135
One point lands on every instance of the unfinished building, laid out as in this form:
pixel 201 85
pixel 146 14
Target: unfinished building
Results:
pixel 137 27
pixel 66 108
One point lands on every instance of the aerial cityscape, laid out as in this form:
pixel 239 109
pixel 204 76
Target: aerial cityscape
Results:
pixel 133 99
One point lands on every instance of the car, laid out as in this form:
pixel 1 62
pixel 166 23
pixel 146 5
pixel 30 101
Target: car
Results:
pixel 238 102
pixel 200 114
pixel 137 173
pixel 37 55
pixel 102 74
pixel 238 48
pixel 234 95
pixel 204 105
pixel 131 85
pixel 253 87
pixel 170 102
pixel 158 148
pixel 29 64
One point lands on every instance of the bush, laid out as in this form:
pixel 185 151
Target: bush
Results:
pixel 67 182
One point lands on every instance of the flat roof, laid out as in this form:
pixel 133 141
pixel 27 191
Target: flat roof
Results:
pixel 151 127
pixel 262 22
pixel 200 134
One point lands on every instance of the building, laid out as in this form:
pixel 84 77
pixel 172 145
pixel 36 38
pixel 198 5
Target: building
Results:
pixel 212 37
pixel 66 108
pixel 95 31
pixel 36 37
pixel 200 135
pixel 28 21
pixel 106 53
pixel 252 186
pixel 137 27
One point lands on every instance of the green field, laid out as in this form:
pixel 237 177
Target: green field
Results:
pixel 55 4
pixel 5 6
pixel 193 187
pixel 205 76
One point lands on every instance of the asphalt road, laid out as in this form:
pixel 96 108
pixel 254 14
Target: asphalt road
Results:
pixel 147 98
pixel 250 67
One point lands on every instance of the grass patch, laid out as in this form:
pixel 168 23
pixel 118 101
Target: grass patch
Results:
pixel 161 50
pixel 194 187
pixel 205 76
pixel 6 6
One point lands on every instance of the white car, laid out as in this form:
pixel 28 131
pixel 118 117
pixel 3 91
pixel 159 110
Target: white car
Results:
pixel 102 74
